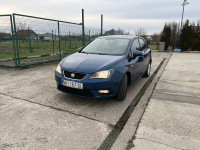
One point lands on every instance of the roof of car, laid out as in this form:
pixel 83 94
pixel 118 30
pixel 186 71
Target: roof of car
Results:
pixel 119 36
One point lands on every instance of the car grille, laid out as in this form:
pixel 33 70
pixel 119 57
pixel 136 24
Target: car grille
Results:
pixel 83 92
pixel 73 75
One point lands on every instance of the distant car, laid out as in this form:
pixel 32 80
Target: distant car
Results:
pixel 104 67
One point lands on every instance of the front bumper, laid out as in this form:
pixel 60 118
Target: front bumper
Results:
pixel 92 86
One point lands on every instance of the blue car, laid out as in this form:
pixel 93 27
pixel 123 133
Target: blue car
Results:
pixel 105 67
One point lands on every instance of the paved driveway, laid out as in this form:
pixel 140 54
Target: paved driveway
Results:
pixel 172 118
pixel 34 115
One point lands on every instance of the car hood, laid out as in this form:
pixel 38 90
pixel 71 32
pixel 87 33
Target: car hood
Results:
pixel 89 63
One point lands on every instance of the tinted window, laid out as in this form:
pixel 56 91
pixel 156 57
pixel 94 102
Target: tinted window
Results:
pixel 142 44
pixel 108 46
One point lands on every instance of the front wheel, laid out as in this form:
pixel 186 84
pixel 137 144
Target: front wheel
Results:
pixel 147 72
pixel 123 89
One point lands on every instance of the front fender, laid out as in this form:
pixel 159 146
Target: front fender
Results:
pixel 122 66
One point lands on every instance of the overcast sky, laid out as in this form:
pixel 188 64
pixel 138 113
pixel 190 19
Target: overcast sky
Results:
pixel 125 14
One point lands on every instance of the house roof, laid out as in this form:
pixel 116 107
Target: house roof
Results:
pixel 24 33
pixel 5 34
pixel 111 32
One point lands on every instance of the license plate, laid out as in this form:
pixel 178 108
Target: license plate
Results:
pixel 72 84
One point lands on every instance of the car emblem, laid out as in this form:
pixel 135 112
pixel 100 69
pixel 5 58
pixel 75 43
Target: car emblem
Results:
pixel 72 75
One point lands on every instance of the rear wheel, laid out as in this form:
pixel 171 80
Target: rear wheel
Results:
pixel 147 72
pixel 123 89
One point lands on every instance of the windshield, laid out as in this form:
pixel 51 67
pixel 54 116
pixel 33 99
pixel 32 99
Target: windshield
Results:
pixel 107 46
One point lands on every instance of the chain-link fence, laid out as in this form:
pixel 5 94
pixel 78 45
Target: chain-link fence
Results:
pixel 28 40
pixel 70 38
pixel 91 33
pixel 40 40
pixel 7 46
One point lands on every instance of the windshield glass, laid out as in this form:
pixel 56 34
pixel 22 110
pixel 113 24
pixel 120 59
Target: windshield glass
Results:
pixel 107 46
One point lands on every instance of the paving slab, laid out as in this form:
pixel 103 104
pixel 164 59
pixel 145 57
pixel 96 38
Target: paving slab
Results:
pixel 24 125
pixel 184 76
pixel 179 88
pixel 146 144
pixel 176 98
pixel 171 120
pixel 181 77
pixel 182 62
pixel 169 124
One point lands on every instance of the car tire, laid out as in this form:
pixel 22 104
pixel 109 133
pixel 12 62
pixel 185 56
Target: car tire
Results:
pixel 147 72
pixel 123 89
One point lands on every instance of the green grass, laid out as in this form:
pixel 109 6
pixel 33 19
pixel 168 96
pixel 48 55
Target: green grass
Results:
pixel 42 48
pixel 153 47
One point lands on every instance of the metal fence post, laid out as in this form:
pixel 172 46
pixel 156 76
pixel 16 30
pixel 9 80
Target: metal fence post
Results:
pixel 65 40
pixel 89 35
pixel 13 39
pixel 101 25
pixel 29 39
pixel 52 41
pixel 18 65
pixel 83 29
pixel 70 44
pixel 37 42
pixel 59 39
pixel 20 49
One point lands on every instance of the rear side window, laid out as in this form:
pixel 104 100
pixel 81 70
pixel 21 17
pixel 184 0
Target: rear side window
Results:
pixel 135 46
pixel 142 44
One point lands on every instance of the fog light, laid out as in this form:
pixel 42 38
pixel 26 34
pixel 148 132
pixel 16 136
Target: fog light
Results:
pixel 103 91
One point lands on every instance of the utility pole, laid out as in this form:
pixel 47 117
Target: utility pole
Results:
pixel 184 3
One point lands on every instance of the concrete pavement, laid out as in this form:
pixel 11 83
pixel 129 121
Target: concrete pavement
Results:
pixel 172 118
pixel 24 125
pixel 35 115
pixel 38 85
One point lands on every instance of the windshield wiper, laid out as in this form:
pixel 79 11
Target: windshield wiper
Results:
pixel 99 53
pixel 94 53
pixel 84 52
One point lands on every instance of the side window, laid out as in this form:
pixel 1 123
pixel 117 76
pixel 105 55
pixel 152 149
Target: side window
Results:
pixel 135 46
pixel 142 44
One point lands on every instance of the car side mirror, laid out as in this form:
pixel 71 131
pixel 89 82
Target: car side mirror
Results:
pixel 80 49
pixel 137 53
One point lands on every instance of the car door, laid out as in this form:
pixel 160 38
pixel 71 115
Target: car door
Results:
pixel 135 61
pixel 145 60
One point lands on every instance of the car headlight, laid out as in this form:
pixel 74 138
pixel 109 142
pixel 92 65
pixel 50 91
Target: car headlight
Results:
pixel 102 74
pixel 58 69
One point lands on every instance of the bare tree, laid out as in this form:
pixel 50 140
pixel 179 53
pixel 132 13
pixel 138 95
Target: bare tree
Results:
pixel 198 26
pixel 140 32
pixel 155 38
pixel 174 34
pixel 120 31
pixel 127 33
pixel 22 26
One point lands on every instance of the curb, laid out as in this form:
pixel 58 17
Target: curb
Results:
pixel 126 137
